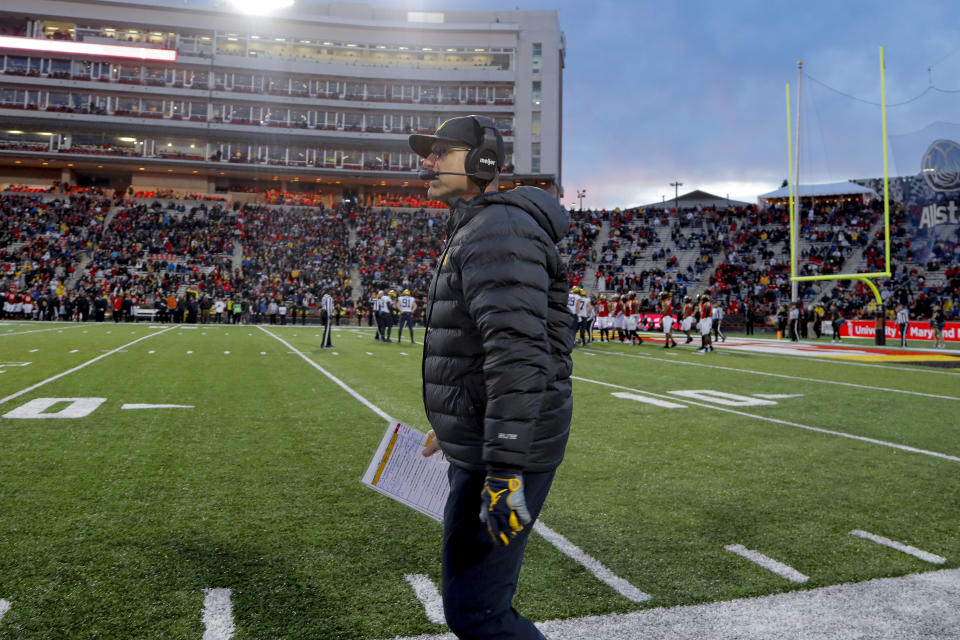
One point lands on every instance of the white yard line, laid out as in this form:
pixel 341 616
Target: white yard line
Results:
pixel 648 400
pixel 602 574
pixel 78 367
pixel 926 556
pixel 768 563
pixel 797 425
pixel 217 615
pixel 619 584
pixel 915 607
pixel 4 607
pixel 428 595
pixel 128 406
pixel 356 396
pixel 783 375
pixel 21 333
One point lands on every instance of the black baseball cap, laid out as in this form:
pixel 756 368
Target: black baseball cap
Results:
pixel 463 130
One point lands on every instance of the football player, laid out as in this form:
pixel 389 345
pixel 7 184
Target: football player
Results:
pixel 603 317
pixel 407 306
pixel 705 324
pixel 687 323
pixel 387 306
pixel 618 309
pixel 573 301
pixel 666 319
pixel 631 313
pixel 583 314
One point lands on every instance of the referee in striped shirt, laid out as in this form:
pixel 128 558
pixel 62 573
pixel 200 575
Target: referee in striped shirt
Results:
pixel 326 315
pixel 903 323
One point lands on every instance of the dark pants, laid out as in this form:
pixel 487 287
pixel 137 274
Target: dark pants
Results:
pixel 405 319
pixel 717 333
pixel 386 325
pixel 478 578
pixel 325 319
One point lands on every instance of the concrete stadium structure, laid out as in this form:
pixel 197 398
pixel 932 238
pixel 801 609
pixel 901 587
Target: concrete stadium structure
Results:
pixel 321 97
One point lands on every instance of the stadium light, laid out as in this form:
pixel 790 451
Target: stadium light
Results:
pixel 85 48
pixel 259 7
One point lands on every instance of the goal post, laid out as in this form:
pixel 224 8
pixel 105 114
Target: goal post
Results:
pixel 867 278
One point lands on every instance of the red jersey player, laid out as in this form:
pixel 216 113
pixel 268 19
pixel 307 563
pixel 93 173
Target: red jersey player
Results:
pixel 666 320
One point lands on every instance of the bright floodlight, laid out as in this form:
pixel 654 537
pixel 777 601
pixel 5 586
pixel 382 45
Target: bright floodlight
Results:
pixel 260 7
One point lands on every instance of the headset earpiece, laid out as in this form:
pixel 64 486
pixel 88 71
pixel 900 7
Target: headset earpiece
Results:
pixel 483 163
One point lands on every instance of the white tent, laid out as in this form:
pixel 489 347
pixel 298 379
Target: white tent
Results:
pixel 829 190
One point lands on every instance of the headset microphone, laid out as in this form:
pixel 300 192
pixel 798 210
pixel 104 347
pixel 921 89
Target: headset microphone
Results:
pixel 430 174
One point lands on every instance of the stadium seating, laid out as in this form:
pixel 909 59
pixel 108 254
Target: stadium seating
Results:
pixel 292 246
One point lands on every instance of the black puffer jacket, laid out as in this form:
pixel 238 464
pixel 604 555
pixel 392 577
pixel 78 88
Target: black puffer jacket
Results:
pixel 496 357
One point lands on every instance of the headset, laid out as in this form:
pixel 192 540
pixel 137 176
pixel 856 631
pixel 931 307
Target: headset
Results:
pixel 483 162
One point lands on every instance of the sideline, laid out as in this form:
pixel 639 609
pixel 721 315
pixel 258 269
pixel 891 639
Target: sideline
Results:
pixel 833 360
pixel 797 425
pixel 78 367
pixel 774 375
pixel 914 607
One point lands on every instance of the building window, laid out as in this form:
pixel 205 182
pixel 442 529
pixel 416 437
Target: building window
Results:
pixel 537 92
pixel 537 56
pixel 535 157
pixel 535 126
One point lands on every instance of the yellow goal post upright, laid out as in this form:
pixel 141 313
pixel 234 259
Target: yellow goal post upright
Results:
pixel 866 278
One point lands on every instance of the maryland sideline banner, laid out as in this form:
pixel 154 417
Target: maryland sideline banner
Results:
pixel 918 330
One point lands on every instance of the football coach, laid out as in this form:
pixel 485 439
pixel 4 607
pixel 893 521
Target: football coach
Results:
pixel 496 370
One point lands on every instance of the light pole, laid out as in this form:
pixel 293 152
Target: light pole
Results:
pixel 676 198
pixel 581 194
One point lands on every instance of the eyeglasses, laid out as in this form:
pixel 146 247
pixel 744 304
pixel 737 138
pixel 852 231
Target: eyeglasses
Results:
pixel 441 149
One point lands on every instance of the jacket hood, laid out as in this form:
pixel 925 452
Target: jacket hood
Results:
pixel 541 206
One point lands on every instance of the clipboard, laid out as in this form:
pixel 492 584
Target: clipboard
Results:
pixel 399 471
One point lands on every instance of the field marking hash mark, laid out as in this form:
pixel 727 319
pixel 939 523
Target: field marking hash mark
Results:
pixel 217 615
pixel 926 556
pixel 428 595
pixel 768 563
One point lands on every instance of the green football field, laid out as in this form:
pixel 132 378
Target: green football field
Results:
pixel 116 522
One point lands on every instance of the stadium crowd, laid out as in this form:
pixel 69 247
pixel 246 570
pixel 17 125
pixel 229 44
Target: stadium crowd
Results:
pixel 195 257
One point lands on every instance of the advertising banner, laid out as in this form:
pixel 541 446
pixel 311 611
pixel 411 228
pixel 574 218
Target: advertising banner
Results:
pixel 918 330
pixel 930 198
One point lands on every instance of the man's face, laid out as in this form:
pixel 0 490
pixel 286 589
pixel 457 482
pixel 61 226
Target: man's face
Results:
pixel 448 157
